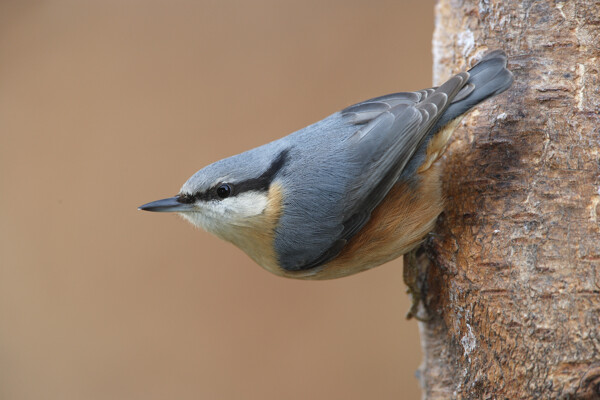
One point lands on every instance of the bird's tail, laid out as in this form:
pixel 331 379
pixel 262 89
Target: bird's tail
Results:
pixel 487 78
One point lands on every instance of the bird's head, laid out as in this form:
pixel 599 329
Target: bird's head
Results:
pixel 238 199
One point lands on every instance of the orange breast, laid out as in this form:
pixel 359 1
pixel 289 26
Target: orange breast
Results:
pixel 397 225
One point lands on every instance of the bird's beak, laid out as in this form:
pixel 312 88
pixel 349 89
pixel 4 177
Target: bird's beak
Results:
pixel 167 205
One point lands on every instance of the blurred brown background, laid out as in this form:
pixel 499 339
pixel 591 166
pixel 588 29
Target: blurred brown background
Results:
pixel 106 105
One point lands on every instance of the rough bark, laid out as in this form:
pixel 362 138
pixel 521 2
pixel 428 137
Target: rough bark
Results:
pixel 513 283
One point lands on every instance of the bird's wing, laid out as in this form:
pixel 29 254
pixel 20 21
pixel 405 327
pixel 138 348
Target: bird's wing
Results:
pixel 389 131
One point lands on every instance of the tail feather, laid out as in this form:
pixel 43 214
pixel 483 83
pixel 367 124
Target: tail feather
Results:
pixel 489 77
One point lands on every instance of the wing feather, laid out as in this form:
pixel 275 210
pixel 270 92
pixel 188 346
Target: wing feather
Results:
pixel 389 130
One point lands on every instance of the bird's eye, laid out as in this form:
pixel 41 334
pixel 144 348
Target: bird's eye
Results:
pixel 224 191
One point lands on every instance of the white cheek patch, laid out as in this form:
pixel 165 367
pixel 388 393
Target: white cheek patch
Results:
pixel 244 205
pixel 220 216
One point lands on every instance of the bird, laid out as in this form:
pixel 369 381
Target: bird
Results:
pixel 345 194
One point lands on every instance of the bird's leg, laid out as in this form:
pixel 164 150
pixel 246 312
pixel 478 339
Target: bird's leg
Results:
pixel 416 265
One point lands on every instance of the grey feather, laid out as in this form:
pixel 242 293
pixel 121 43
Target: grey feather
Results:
pixel 342 167
pixel 373 157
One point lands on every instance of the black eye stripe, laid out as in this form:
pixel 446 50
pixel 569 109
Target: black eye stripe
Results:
pixel 262 183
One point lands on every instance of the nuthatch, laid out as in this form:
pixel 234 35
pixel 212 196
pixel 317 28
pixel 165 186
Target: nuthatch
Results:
pixel 345 194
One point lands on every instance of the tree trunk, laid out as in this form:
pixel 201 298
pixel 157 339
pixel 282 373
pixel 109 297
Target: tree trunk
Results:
pixel 513 283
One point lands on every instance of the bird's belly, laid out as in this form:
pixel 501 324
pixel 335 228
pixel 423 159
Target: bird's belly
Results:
pixel 397 225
